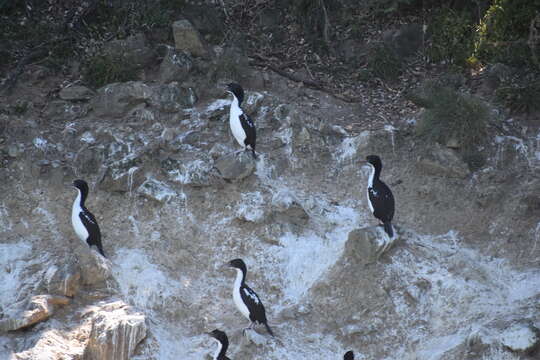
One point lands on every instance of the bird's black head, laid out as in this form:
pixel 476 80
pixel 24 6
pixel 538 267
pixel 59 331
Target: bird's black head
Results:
pixel 237 91
pixel 349 355
pixel 219 336
pixel 81 185
pixel 238 264
pixel 375 161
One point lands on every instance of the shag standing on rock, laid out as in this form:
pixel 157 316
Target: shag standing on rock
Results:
pixel 223 344
pixel 84 223
pixel 380 198
pixel 245 299
pixel 349 355
pixel 242 127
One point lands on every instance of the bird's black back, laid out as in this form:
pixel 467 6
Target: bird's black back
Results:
pixel 249 128
pixel 94 234
pixel 382 200
pixel 257 313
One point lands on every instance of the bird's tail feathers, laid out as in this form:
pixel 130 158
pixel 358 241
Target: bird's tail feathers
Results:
pixel 268 329
pixel 389 229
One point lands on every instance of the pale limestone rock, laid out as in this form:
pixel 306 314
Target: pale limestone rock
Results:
pixel 187 38
pixel 116 331
pixel 41 307
pixel 63 279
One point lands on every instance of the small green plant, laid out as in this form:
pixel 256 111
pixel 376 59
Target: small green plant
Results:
pixel 383 63
pixel 103 69
pixel 520 98
pixel 504 31
pixel 452 37
pixel 451 115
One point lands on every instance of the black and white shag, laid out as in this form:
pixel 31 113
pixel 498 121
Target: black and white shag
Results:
pixel 222 344
pixel 380 198
pixel 242 127
pixel 84 223
pixel 245 299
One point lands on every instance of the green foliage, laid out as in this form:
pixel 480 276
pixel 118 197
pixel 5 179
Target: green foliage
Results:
pixel 102 69
pixel 383 63
pixel 453 115
pixel 520 96
pixel 504 31
pixel 452 37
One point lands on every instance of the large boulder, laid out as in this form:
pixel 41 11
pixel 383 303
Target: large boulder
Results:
pixel 75 93
pixel 63 279
pixel 41 307
pixel 187 38
pixel 134 50
pixel 172 97
pixel 521 338
pixel 366 245
pixel 117 329
pixel 444 162
pixel 118 98
pixel 235 166
pixel 175 66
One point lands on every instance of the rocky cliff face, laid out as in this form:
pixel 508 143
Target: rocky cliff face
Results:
pixel 175 204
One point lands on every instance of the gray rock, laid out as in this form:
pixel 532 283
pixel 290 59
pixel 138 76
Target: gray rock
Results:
pixel 287 209
pixel 95 269
pixel 405 41
pixel 123 176
pixel 134 50
pixel 443 161
pixel 63 279
pixel 76 92
pixel 175 66
pixel 117 329
pixel 172 98
pixel 193 172
pixel 14 150
pixel 187 38
pixel 521 338
pixel 368 244
pixel 118 98
pixel 41 307
pixel 156 190
pixel 65 110
pixel 235 166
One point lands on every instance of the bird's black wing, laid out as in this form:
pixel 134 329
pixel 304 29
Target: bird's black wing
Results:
pixel 382 201
pixel 94 234
pixel 254 304
pixel 249 128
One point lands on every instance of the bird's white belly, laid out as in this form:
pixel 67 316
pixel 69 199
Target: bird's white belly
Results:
pixel 369 201
pixel 236 127
pixel 78 226
pixel 239 303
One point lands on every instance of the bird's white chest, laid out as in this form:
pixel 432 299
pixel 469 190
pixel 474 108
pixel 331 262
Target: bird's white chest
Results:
pixel 235 124
pixel 370 185
pixel 237 297
pixel 78 226
pixel 218 350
